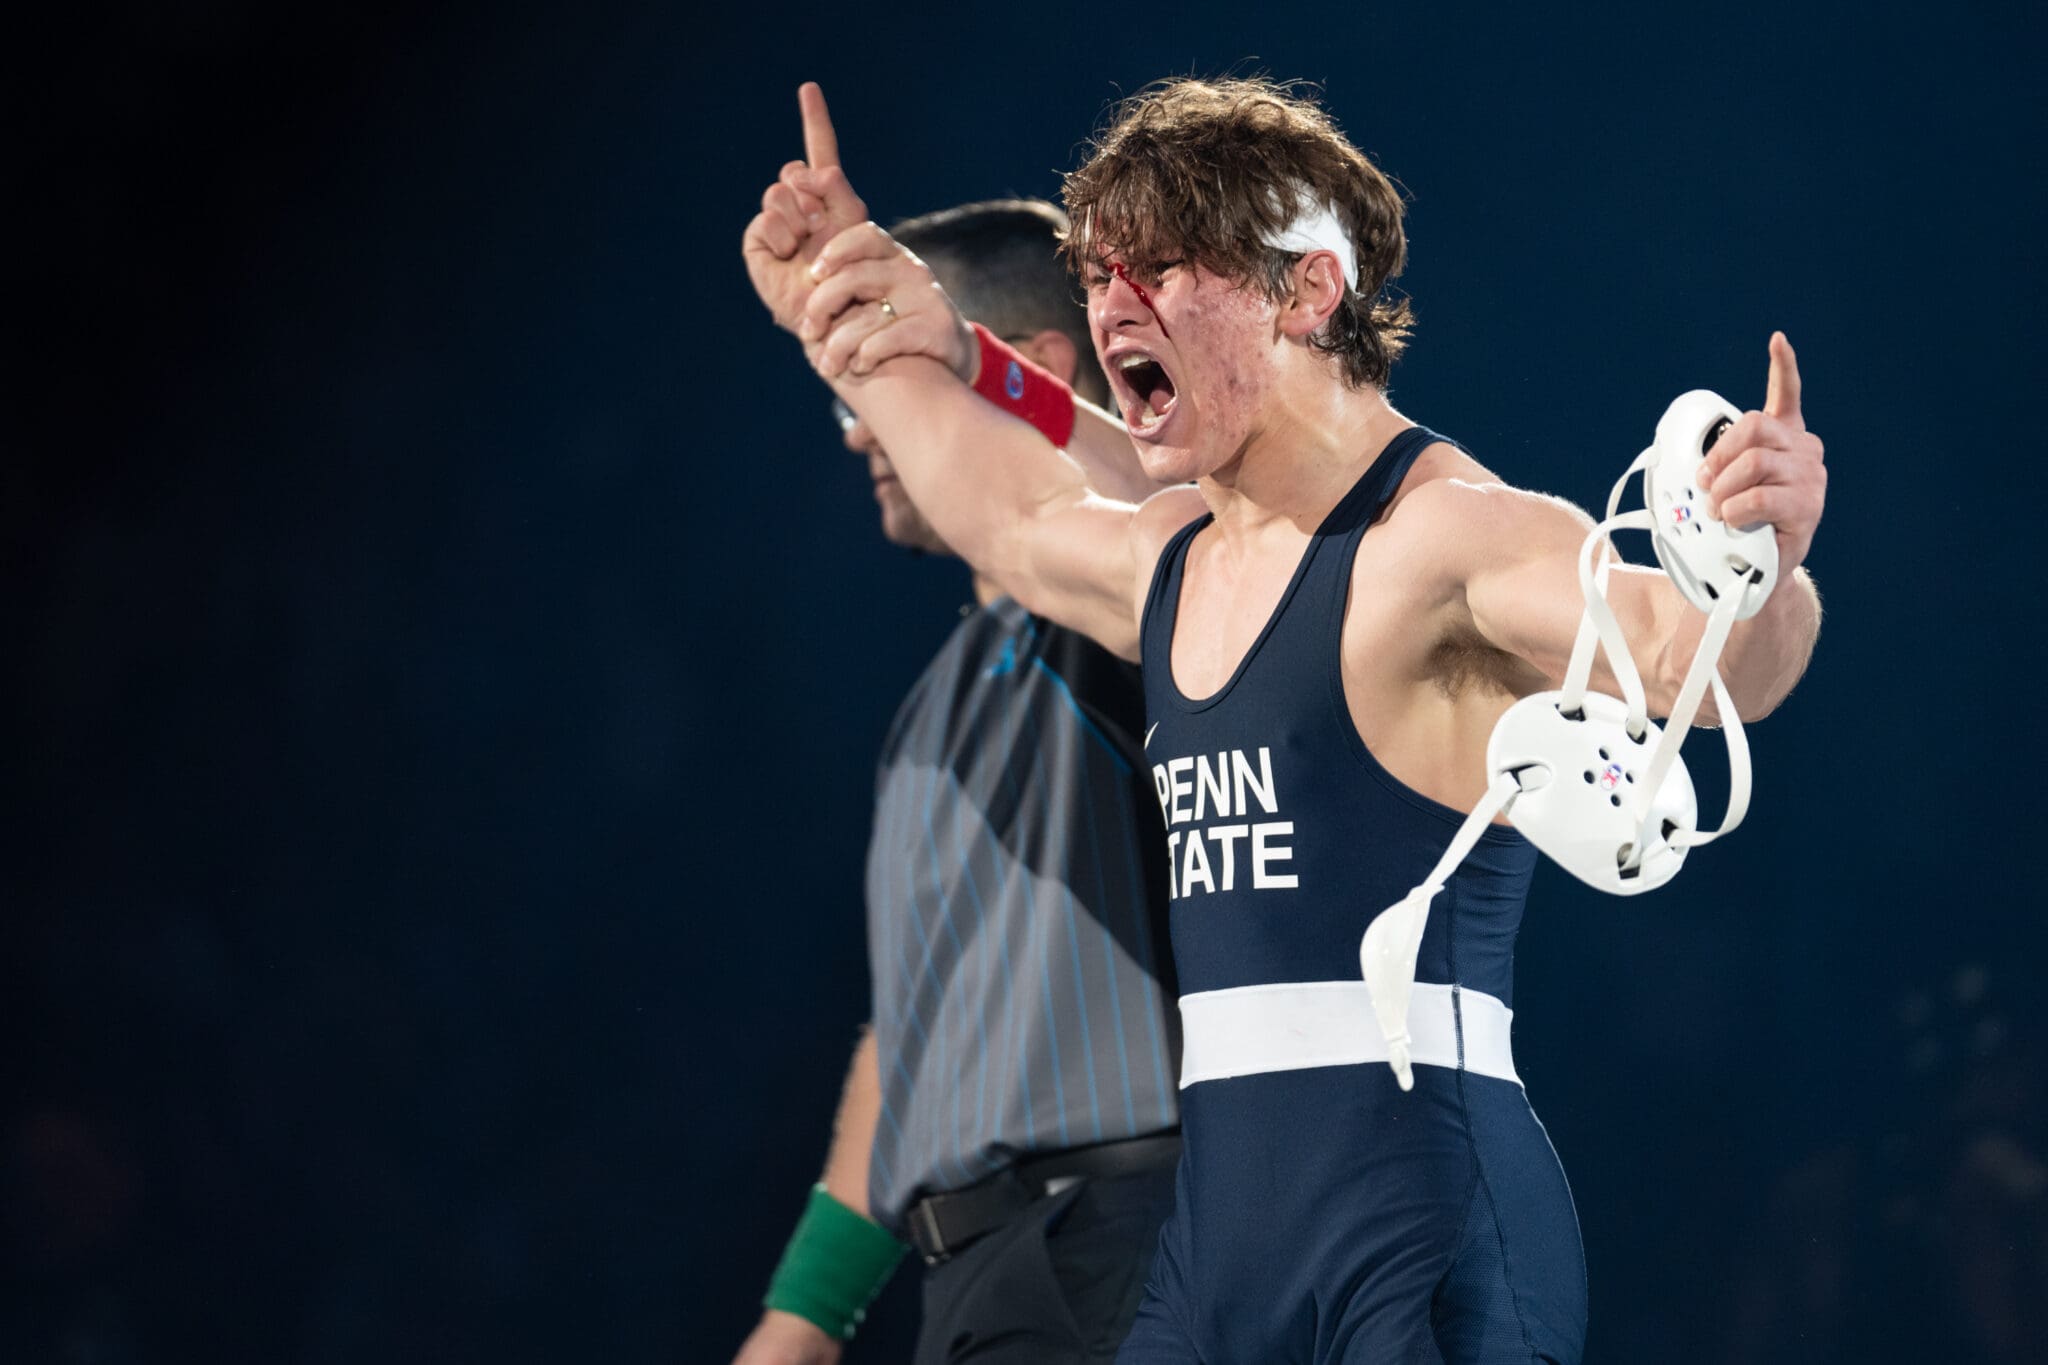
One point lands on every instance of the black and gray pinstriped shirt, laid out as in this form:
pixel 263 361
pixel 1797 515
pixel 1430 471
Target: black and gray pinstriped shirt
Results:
pixel 1016 886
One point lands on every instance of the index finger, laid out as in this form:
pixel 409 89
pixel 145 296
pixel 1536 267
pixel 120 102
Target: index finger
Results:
pixel 821 144
pixel 1781 392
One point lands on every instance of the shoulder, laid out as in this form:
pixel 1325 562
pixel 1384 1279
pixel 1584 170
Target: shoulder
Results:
pixel 1160 517
pixel 1444 481
pixel 1448 489
pixel 1455 522
pixel 977 642
pixel 917 705
pixel 974 641
pixel 1156 522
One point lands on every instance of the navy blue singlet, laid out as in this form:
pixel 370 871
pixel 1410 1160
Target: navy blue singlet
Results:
pixel 1323 1215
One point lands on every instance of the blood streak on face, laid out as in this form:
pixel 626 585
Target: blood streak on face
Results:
pixel 1118 269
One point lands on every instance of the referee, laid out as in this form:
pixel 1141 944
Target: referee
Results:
pixel 1009 1116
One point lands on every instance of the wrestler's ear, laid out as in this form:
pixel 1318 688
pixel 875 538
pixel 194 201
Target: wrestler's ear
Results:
pixel 1054 351
pixel 1318 287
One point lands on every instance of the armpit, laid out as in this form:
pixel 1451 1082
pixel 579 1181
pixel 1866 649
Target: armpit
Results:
pixel 1462 663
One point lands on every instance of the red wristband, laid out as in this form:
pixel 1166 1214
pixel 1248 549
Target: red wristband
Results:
pixel 1024 389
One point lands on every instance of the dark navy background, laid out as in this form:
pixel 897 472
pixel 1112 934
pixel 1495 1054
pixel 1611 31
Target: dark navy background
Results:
pixel 444 649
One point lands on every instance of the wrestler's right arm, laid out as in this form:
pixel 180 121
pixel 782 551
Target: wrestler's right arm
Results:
pixel 1001 495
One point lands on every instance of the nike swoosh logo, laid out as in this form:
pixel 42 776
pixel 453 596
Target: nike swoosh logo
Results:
pixel 1148 734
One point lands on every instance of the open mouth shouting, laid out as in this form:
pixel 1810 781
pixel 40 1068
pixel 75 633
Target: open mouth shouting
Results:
pixel 1144 391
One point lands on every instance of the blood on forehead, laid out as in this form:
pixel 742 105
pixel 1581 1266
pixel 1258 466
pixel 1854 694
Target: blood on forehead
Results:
pixel 1118 269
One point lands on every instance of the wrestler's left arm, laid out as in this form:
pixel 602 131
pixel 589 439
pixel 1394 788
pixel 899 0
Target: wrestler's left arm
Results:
pixel 1518 563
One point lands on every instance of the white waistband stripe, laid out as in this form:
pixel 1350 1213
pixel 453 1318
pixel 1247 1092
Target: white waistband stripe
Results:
pixel 1292 1025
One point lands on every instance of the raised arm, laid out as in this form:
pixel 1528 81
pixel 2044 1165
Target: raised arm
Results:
pixel 1519 562
pixel 1001 495
pixel 1016 507
pixel 865 265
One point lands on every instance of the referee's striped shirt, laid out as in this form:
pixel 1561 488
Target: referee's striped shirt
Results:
pixel 1016 887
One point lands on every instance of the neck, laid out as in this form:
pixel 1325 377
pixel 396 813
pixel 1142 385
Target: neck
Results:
pixel 1313 441
pixel 985 590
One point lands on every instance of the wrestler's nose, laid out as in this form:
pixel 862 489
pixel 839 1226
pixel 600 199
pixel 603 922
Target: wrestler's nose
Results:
pixel 1118 304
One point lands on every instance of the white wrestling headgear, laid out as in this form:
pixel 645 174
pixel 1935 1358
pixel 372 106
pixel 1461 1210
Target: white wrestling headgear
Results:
pixel 1317 228
pixel 1588 778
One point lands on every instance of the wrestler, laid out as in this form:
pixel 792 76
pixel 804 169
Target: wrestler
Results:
pixel 1330 622
pixel 1011 1113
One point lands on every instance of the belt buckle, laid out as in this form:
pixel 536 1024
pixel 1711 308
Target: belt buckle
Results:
pixel 924 1231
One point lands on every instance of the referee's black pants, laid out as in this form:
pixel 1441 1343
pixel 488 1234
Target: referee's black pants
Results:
pixel 1057 1285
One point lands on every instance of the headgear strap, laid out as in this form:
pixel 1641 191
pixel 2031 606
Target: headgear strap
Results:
pixel 1317 228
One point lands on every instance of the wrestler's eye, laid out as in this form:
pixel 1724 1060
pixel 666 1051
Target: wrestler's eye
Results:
pixel 1152 275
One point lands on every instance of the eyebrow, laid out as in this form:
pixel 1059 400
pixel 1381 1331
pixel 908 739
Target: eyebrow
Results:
pixel 1122 272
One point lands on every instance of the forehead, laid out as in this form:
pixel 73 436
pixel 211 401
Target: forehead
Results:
pixel 1100 239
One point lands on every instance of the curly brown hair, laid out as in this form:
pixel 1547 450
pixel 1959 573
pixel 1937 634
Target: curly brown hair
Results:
pixel 1204 171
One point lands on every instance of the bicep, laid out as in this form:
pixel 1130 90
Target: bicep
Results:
pixel 1103 449
pixel 1090 561
pixel 1521 582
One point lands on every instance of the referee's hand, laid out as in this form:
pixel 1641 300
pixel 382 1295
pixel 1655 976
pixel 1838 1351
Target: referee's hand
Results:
pixel 786 1339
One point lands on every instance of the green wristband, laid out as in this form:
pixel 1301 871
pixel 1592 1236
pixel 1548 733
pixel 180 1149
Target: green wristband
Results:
pixel 835 1264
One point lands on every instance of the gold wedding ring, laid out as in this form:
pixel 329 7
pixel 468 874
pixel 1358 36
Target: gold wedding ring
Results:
pixel 888 312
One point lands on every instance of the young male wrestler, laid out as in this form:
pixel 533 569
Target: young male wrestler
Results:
pixel 1012 1111
pixel 1330 623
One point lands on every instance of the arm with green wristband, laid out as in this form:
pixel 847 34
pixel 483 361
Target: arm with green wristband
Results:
pixel 838 1259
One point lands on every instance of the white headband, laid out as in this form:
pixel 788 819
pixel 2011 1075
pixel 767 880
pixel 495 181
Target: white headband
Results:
pixel 1317 229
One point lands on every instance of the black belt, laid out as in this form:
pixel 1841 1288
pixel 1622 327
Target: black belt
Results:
pixel 941 1224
